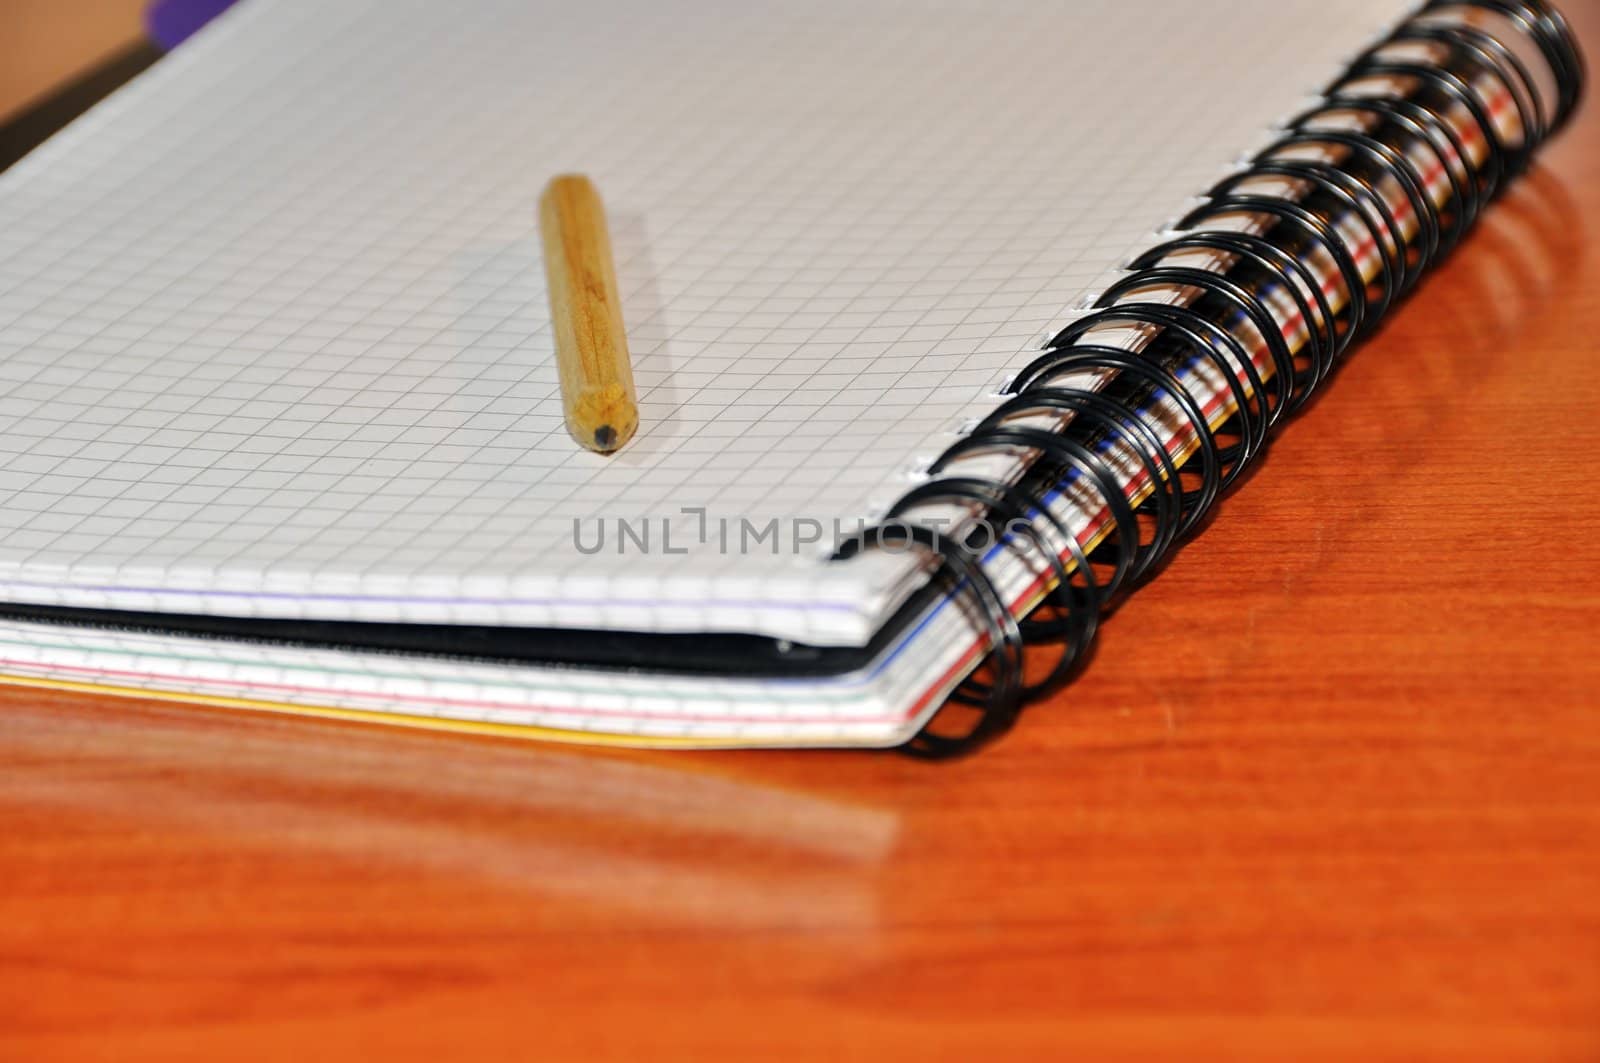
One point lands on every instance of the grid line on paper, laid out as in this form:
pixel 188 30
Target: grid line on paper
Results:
pixel 273 326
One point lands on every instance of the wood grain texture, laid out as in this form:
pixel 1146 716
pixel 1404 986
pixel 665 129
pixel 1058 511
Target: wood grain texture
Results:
pixel 597 390
pixel 1329 789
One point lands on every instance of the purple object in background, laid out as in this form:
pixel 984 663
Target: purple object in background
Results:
pixel 169 23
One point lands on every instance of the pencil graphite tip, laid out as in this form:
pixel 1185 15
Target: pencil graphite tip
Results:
pixel 603 419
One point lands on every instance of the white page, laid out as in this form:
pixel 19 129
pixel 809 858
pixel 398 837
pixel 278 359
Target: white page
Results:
pixel 273 330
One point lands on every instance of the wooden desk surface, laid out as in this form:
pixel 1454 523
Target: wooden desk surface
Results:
pixel 1331 787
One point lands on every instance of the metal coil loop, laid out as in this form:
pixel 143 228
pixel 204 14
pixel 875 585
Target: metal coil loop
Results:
pixel 1302 252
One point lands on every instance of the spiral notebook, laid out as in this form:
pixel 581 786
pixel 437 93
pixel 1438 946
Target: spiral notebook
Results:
pixel 281 428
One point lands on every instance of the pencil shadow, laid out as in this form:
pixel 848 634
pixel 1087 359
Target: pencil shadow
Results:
pixel 494 322
pixel 645 318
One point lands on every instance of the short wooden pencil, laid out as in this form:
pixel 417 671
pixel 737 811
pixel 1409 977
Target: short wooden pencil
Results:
pixel 597 390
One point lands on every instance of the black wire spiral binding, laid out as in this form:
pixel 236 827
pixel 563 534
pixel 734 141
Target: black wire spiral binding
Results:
pixel 1399 100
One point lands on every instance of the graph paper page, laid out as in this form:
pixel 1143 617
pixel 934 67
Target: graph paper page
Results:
pixel 274 336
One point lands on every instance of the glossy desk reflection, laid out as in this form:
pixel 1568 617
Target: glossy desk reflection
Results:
pixel 1331 781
